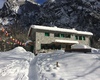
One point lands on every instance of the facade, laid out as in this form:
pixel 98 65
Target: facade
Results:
pixel 52 38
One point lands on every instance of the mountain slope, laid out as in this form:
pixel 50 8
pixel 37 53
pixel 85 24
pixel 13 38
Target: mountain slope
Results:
pixel 80 14
pixel 21 11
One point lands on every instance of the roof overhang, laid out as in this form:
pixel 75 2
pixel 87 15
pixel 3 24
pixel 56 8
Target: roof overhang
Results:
pixel 73 31
pixel 66 41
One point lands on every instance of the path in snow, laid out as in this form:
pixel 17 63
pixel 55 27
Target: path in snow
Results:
pixel 33 72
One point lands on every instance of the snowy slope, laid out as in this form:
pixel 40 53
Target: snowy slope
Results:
pixel 14 64
pixel 19 64
pixel 72 66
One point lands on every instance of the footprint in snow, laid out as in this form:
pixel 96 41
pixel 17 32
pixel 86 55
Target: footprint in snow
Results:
pixel 53 74
pixel 61 79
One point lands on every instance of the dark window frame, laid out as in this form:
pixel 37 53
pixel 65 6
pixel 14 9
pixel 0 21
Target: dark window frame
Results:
pixel 47 34
pixel 56 35
pixel 83 38
pixel 62 35
pixel 68 36
pixel 80 37
pixel 76 37
pixel 50 46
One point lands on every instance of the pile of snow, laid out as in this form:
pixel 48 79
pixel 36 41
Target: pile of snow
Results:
pixel 93 50
pixel 18 64
pixel 18 50
pixel 14 64
pixel 80 46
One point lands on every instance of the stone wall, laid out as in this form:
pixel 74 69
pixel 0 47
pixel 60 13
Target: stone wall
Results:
pixel 42 39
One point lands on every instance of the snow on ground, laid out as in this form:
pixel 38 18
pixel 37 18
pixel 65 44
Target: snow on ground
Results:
pixel 19 64
pixel 14 64
pixel 72 66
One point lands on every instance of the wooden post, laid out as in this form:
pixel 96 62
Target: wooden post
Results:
pixel 57 64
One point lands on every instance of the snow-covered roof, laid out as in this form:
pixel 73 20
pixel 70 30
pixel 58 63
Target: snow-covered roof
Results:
pixel 60 30
pixel 66 41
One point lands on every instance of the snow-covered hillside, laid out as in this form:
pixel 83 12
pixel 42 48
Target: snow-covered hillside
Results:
pixel 18 64
pixel 14 64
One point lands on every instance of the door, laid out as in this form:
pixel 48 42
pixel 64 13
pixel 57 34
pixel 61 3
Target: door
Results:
pixel 68 46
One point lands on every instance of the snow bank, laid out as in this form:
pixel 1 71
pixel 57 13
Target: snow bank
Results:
pixel 18 50
pixel 81 46
pixel 93 50
pixel 15 64
pixel 18 64
pixel 72 66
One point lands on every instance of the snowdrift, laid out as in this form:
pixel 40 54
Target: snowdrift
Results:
pixel 18 50
pixel 80 46
pixel 18 64
pixel 14 64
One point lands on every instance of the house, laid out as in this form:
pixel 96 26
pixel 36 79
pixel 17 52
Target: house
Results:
pixel 52 38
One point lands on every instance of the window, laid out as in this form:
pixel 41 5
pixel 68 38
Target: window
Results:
pixel 61 35
pixel 50 46
pixel 56 35
pixel 76 37
pixel 43 46
pixel 68 36
pixel 83 38
pixel 47 34
pixel 80 37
